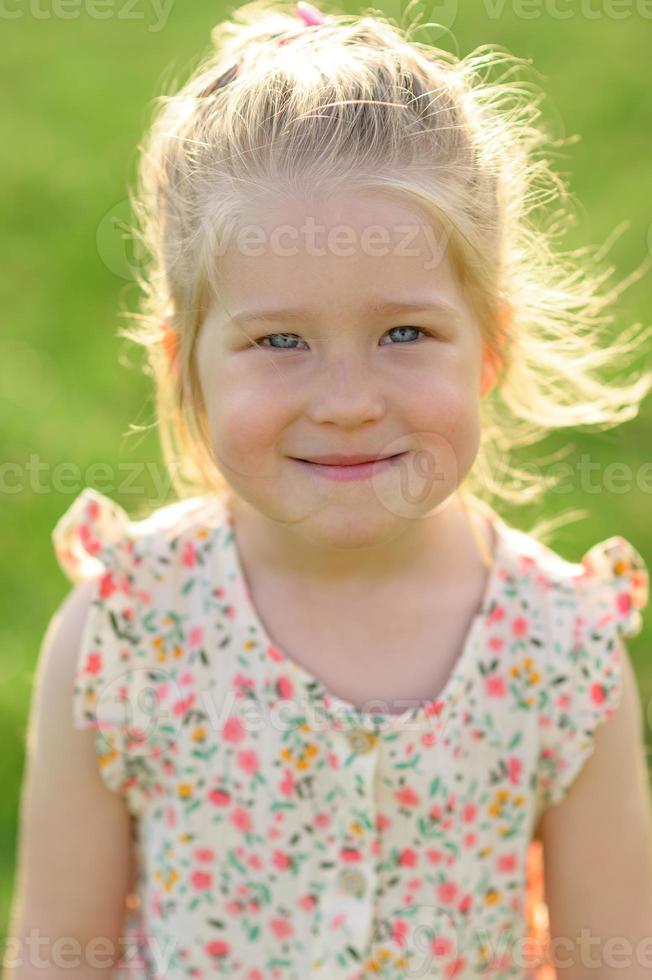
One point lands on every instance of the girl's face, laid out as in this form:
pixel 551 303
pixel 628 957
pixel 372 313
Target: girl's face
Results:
pixel 340 371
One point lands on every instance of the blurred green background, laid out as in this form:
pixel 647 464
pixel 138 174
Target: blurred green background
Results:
pixel 77 95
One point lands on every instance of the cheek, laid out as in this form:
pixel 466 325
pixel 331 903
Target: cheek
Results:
pixel 243 418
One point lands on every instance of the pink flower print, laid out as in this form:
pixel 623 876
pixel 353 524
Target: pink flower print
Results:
pixel 434 708
pixel 285 687
pixel 307 902
pixel 514 769
pixel 275 654
pixel 382 822
pixel 436 811
pixel 241 819
pixel 469 840
pixel 408 857
pixel 282 928
pixel 399 932
pixel 281 860
pixel 441 946
pixel 233 730
pixel 188 555
pixel 156 905
pixel 338 920
pixel 107 586
pixel 466 903
pixel 496 644
pixel 350 855
pixel 90 542
pixel 322 820
pixel 623 602
pixel 170 817
pixel 234 909
pixel 255 862
pixel 248 761
pixel 447 892
pixel 495 686
pixel 254 975
pixel 217 947
pixel 434 855
pixel 428 739
pixel 497 614
pixel 201 880
pixel 563 701
pixel 507 862
pixel 407 796
pixel 219 797
pixel 186 678
pixel 287 785
pixel 242 682
pixel 469 812
pixel 93 663
pixel 597 693
pixel 520 626
pixel 205 854
pixel 196 636
pixel 455 968
pixel 181 706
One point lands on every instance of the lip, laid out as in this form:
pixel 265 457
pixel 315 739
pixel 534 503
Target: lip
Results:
pixel 339 459
pixel 352 471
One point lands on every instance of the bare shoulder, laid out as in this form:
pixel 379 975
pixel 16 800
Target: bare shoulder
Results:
pixel 74 853
pixel 598 840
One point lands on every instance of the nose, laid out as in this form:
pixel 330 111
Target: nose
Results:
pixel 347 391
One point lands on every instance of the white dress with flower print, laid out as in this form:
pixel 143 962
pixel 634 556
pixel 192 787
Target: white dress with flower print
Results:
pixel 281 833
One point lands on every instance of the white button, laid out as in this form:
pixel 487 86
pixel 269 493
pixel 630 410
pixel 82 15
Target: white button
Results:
pixel 361 741
pixel 352 882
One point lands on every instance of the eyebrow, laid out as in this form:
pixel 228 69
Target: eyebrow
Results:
pixel 389 307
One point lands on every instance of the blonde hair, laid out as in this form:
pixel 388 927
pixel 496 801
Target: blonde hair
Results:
pixel 359 102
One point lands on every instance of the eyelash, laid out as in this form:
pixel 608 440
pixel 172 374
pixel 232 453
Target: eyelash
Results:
pixel 258 342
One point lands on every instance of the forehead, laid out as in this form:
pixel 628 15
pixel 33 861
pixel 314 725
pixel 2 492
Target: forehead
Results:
pixel 297 248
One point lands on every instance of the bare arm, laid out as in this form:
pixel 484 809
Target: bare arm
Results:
pixel 74 851
pixel 598 856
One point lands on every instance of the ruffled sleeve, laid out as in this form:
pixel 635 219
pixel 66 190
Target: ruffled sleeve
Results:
pixel 116 684
pixel 603 604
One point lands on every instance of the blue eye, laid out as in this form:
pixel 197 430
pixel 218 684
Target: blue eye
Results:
pixel 290 336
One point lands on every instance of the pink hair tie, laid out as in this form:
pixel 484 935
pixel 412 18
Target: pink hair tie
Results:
pixel 310 15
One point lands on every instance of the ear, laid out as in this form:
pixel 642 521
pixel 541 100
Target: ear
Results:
pixel 492 361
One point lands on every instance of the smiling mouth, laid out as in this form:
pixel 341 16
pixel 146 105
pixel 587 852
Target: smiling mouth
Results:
pixel 347 462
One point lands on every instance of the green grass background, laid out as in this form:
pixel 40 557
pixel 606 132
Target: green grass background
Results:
pixel 76 96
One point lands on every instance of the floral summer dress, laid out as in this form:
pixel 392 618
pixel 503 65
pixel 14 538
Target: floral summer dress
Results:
pixel 279 831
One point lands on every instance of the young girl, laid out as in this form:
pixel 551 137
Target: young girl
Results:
pixel 333 700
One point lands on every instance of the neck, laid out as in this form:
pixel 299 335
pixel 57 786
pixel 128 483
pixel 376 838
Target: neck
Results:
pixel 435 546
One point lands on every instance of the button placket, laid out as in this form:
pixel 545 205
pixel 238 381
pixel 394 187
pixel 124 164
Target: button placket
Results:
pixel 352 881
pixel 348 904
